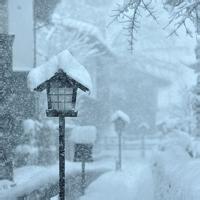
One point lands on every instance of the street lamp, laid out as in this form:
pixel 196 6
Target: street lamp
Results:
pixel 61 81
pixel 143 127
pixel 119 119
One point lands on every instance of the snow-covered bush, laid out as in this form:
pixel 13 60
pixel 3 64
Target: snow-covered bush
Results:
pixel 176 174
pixel 83 135
pixel 46 143
pixel 27 152
pixel 6 185
pixel 38 144
pixel 196 148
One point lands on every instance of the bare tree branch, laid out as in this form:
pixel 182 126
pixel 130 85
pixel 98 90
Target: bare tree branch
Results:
pixel 181 14
pixel 129 14
pixel 183 11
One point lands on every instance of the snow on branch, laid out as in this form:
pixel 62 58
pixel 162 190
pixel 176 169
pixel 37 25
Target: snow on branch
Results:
pixel 183 13
pixel 130 14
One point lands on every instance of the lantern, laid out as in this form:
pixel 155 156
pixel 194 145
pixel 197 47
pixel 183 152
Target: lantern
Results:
pixel 61 95
pixel 119 119
pixel 61 77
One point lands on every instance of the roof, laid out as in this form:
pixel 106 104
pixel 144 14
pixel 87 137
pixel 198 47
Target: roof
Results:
pixel 63 61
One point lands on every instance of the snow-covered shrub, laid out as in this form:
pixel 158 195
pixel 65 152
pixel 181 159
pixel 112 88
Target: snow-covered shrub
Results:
pixel 6 185
pixel 176 174
pixel 196 148
pixel 177 140
pixel 26 153
pixel 46 143
pixel 38 144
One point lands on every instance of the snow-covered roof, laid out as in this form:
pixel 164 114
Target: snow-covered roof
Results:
pixel 120 114
pixel 64 61
pixel 83 134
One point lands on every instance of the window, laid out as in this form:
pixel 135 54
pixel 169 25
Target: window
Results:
pixel 61 98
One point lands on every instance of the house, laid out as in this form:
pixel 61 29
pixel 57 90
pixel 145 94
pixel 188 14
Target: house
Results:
pixel 17 102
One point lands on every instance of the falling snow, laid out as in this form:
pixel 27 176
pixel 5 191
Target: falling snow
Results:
pixel 134 135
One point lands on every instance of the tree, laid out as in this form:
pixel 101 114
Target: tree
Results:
pixel 180 115
pixel 182 13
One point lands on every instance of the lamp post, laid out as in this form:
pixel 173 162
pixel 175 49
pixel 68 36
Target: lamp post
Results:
pixel 61 97
pixel 61 77
pixel 119 119
pixel 144 127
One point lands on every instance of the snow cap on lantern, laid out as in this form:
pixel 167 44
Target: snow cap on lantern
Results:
pixel 61 76
pixel 120 119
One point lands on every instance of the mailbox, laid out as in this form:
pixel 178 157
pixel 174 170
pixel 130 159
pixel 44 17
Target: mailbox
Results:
pixel 83 152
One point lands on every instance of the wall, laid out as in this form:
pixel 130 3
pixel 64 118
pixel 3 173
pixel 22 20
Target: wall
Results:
pixel 3 16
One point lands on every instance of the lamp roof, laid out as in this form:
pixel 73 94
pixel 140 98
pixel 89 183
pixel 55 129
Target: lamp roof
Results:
pixel 63 62
pixel 120 115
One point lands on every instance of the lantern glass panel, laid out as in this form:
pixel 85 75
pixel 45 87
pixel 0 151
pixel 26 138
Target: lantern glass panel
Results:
pixel 61 98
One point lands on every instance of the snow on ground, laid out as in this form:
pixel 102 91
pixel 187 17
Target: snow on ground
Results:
pixel 175 172
pixel 64 61
pixel 30 178
pixel 134 182
pixel 171 170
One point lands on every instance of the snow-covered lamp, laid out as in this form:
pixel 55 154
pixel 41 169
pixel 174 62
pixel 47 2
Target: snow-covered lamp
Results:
pixel 62 76
pixel 120 119
pixel 61 94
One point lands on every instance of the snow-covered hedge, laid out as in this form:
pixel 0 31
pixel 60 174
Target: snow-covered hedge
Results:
pixel 83 134
pixel 38 143
pixel 176 174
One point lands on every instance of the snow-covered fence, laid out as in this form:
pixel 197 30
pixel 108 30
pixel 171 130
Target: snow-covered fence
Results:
pixel 176 175
pixel 110 143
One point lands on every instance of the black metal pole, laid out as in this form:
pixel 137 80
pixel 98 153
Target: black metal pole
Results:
pixel 83 178
pixel 61 158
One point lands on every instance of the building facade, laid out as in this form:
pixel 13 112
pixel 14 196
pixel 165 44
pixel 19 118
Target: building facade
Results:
pixel 17 102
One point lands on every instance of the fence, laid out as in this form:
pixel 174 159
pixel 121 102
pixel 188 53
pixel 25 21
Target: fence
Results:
pixel 135 143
